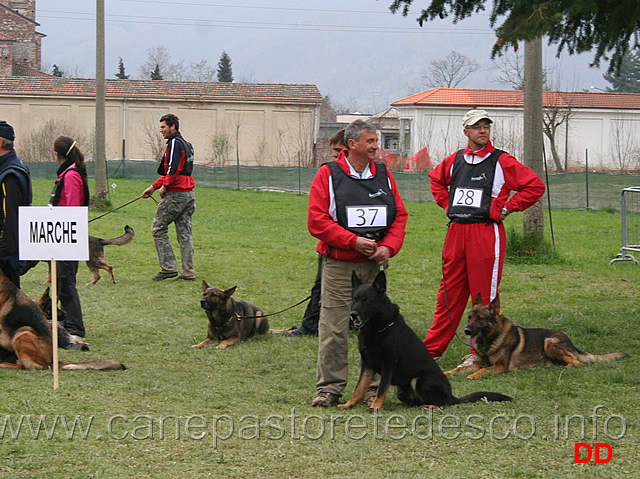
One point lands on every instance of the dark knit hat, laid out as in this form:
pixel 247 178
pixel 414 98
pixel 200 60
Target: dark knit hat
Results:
pixel 6 131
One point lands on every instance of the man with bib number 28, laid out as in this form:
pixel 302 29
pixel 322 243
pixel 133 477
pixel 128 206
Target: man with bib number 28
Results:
pixel 359 218
pixel 474 187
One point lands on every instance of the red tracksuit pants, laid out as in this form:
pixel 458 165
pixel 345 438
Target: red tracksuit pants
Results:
pixel 473 256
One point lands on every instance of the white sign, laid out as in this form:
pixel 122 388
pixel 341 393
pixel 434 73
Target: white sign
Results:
pixel 366 216
pixel 53 233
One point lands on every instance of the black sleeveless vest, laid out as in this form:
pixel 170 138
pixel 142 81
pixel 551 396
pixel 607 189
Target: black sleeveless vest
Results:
pixel 470 189
pixel 364 207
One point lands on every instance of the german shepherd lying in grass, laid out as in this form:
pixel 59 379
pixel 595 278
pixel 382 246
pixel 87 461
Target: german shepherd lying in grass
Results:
pixel 230 321
pixel 500 346
pixel 388 346
pixel 25 334
pixel 96 253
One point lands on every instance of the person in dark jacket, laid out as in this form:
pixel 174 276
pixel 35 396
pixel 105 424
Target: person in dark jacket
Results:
pixel 15 191
pixel 177 204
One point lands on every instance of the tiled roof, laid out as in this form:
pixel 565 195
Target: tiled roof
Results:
pixel 479 98
pixel 159 89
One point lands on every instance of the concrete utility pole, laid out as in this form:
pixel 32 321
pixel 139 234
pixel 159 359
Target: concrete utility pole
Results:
pixel 533 217
pixel 100 194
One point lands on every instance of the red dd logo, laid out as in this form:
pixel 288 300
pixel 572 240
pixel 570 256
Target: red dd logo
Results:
pixel 597 447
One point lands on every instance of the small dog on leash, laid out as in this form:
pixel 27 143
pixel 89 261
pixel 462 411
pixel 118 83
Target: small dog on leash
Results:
pixel 96 253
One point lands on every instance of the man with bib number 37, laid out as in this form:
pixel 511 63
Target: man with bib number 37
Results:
pixel 359 218
pixel 473 186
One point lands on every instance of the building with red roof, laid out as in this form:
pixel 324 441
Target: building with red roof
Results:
pixel 599 127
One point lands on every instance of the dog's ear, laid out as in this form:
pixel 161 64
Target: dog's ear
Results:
pixel 494 306
pixel 478 301
pixel 355 281
pixel 205 286
pixel 46 292
pixel 228 292
pixel 380 283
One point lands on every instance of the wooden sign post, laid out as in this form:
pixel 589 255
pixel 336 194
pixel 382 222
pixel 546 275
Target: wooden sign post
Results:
pixel 54 233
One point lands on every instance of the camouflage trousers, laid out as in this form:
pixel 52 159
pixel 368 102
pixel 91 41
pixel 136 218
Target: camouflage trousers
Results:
pixel 176 207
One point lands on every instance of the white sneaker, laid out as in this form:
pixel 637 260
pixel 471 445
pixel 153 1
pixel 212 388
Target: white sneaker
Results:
pixel 468 360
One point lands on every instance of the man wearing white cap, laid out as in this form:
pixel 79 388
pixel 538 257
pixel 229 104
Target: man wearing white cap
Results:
pixel 15 190
pixel 474 186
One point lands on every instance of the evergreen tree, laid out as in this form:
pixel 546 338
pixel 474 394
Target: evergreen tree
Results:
pixel 225 74
pixel 606 27
pixel 155 74
pixel 627 78
pixel 56 72
pixel 121 75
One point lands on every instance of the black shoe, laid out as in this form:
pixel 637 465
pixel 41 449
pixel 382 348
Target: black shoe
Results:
pixel 162 275
pixel 187 278
pixel 301 331
pixel 326 400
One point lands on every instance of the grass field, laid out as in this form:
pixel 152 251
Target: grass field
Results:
pixel 245 412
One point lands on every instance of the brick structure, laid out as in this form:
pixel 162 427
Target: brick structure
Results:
pixel 20 43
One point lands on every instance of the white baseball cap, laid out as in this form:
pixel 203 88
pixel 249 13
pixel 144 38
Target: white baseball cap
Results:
pixel 474 116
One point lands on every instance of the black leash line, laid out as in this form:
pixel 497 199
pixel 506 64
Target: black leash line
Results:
pixel 122 206
pixel 273 314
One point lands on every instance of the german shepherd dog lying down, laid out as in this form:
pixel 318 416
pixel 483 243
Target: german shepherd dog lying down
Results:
pixel 389 347
pixel 500 346
pixel 25 334
pixel 230 321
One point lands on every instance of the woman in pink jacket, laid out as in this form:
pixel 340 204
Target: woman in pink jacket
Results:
pixel 71 189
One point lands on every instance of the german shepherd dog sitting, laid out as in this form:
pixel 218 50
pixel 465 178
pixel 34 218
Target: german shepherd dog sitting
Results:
pixel 25 334
pixel 96 253
pixel 500 346
pixel 230 321
pixel 388 346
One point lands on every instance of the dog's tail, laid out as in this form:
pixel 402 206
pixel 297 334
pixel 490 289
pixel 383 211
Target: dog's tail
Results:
pixel 480 395
pixel 591 358
pixel 120 240
pixel 95 365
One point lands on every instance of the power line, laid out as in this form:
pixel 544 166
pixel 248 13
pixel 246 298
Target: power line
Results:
pixel 145 19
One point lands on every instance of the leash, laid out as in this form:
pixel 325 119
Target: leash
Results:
pixel 273 314
pixel 122 206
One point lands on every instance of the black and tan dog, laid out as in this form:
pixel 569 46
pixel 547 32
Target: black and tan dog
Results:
pixel 25 334
pixel 388 346
pixel 96 253
pixel 500 346
pixel 65 340
pixel 230 321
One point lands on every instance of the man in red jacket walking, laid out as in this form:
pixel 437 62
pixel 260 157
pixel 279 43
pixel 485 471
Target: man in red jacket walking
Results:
pixel 473 186
pixel 359 218
pixel 177 204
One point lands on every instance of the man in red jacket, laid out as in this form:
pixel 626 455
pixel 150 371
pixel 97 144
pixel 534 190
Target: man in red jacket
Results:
pixel 473 186
pixel 177 204
pixel 359 218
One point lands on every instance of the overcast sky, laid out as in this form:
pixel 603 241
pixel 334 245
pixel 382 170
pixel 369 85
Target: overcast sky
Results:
pixel 355 51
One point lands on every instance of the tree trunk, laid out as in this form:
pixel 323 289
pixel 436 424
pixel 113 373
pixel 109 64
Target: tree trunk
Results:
pixel 100 194
pixel 533 218
pixel 554 150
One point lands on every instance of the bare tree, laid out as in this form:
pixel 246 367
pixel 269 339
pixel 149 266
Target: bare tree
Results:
pixel 556 113
pixel 39 146
pixel 624 146
pixel 202 72
pixel 510 68
pixel 153 140
pixel 220 144
pixel 450 71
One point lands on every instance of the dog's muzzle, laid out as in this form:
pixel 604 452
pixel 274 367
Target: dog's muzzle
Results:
pixel 203 303
pixel 354 317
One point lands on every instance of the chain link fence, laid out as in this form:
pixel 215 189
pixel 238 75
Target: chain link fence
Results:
pixel 569 190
